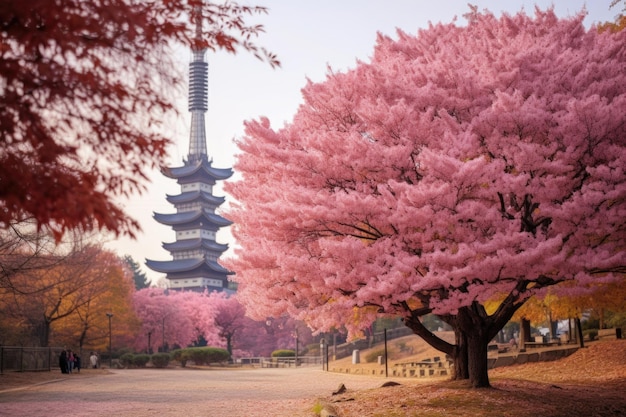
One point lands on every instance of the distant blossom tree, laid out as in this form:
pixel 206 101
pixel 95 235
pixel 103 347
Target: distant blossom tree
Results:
pixel 464 166
pixel 163 322
pixel 230 319
pixel 201 309
pixel 243 336
pixel 85 87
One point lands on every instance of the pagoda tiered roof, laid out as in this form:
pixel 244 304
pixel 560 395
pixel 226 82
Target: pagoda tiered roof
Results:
pixel 201 167
pixel 181 218
pixel 186 265
pixel 190 196
pixel 195 221
pixel 190 244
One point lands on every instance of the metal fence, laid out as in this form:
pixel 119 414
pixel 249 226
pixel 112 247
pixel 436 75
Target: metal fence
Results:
pixel 346 349
pixel 20 359
pixel 284 362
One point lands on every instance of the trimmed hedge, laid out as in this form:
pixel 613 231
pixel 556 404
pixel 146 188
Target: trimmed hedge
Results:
pixel 180 356
pixel 284 353
pixel 140 360
pixel 205 355
pixel 130 360
pixel 161 360
pixel 127 360
pixel 199 356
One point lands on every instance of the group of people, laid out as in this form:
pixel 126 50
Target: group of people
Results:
pixel 69 361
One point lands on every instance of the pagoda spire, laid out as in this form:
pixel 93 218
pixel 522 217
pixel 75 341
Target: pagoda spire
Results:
pixel 198 95
pixel 195 252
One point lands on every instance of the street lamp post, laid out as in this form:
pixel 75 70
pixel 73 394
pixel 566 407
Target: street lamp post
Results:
pixel 163 335
pixel 326 354
pixel 322 344
pixel 110 315
pixel 297 342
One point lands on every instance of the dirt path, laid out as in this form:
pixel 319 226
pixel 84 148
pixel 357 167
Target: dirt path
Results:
pixel 177 392
pixel 591 382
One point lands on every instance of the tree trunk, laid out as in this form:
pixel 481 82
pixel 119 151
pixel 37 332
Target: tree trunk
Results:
pixel 570 336
pixel 579 332
pixel 477 330
pixel 82 338
pixel 552 326
pixel 229 346
pixel 524 335
pixel 602 324
pixel 460 357
pixel 43 332
pixel 473 330
pixel 477 342
pixel 457 352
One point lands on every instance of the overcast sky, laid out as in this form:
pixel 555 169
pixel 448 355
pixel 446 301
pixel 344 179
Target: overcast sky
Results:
pixel 308 37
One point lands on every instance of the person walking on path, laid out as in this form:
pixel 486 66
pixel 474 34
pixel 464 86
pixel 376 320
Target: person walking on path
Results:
pixel 93 359
pixel 77 363
pixel 70 361
pixel 63 362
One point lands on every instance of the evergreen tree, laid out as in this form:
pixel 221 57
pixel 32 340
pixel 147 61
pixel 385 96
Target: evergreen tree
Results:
pixel 139 277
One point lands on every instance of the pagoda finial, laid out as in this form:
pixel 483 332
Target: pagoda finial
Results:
pixel 198 94
pixel 198 16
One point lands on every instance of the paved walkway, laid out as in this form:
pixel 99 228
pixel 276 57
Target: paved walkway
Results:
pixel 183 392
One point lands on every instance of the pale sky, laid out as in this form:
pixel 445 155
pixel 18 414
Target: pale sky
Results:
pixel 308 37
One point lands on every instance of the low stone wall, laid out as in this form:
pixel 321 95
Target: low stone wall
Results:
pixel 437 367
pixel 423 369
pixel 430 368
pixel 526 357
pixel 360 371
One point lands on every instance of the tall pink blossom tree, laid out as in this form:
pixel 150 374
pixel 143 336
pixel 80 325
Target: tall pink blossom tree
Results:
pixel 200 309
pixel 243 336
pixel 163 321
pixel 229 319
pixel 461 167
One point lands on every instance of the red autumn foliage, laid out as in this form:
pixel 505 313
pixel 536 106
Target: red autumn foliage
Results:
pixel 84 90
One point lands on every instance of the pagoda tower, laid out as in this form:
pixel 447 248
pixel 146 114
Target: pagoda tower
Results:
pixel 195 251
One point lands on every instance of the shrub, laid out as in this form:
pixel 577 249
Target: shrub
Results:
pixel 590 324
pixel 180 355
pixel 591 334
pixel 616 319
pixel 206 355
pixel 127 360
pixel 140 360
pixel 160 360
pixel 284 353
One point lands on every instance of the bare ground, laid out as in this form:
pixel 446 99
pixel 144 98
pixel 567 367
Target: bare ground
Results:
pixel 17 380
pixel 591 382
